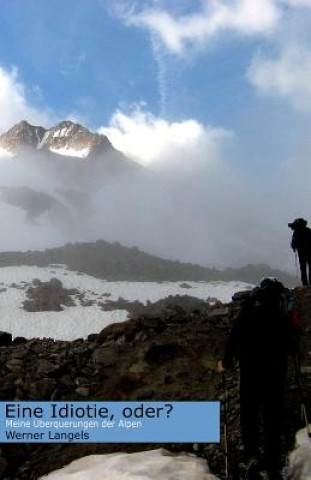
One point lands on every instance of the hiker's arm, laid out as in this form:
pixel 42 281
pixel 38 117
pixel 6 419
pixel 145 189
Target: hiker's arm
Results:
pixel 294 242
pixel 232 345
pixel 220 367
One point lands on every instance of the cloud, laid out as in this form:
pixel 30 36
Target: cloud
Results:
pixel 288 75
pixel 197 205
pixel 152 140
pixel 160 57
pixel 14 105
pixel 177 32
pixel 192 202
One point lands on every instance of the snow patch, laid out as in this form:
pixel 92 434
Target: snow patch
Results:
pixel 45 136
pixel 150 465
pixel 37 136
pixel 71 152
pixel 300 458
pixel 5 153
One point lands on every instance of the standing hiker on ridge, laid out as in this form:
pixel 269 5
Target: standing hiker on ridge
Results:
pixel 261 338
pixel 301 242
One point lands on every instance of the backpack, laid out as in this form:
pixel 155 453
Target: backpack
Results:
pixel 278 301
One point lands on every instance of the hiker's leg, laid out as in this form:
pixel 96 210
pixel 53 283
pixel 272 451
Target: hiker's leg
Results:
pixel 273 409
pixel 309 271
pixel 303 269
pixel 249 415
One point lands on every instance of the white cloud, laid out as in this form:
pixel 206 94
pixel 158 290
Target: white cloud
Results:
pixel 14 105
pixel 287 76
pixel 246 17
pixel 150 139
pixel 198 204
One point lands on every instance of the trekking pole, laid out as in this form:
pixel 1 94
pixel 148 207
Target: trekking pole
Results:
pixel 304 415
pixel 225 416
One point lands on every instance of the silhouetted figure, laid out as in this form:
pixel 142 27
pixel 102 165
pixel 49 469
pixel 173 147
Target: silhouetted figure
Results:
pixel 261 339
pixel 301 242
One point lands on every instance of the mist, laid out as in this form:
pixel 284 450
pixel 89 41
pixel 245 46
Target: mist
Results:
pixel 190 202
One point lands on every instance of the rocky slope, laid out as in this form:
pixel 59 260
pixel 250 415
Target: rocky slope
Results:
pixel 21 135
pixel 170 356
pixel 112 261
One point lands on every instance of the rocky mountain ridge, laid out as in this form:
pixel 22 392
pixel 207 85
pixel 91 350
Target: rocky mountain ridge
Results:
pixel 58 169
pixel 66 138
pixel 113 261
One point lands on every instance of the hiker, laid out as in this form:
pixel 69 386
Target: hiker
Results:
pixel 301 242
pixel 261 339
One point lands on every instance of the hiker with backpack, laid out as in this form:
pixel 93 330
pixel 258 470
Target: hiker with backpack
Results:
pixel 301 243
pixel 261 338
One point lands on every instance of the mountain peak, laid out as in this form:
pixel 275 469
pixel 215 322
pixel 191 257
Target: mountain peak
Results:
pixel 66 138
pixel 71 139
pixel 21 135
pixel 23 124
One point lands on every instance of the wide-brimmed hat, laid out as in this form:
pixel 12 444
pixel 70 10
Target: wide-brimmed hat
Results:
pixel 298 223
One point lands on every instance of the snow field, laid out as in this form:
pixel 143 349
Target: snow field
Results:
pixel 300 458
pixel 150 465
pixel 79 321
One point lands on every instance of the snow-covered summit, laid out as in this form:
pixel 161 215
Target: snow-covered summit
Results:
pixel 66 138
pixel 71 139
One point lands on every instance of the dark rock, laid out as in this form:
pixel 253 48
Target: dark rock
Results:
pixel 218 312
pixel 3 466
pixel 127 329
pixel 83 391
pixel 19 340
pixel 92 337
pixel 157 324
pixel 42 388
pixel 48 296
pixel 169 356
pixel 146 395
pixel 5 339
pixel 106 356
pixel 15 365
pixel 241 295
pixel 157 354
pixel 185 285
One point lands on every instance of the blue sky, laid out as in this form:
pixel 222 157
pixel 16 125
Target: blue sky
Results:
pixel 86 60
pixel 84 57
pixel 209 82
pixel 77 56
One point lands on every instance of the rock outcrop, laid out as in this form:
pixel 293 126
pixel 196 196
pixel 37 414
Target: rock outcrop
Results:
pixel 166 357
pixel 48 296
